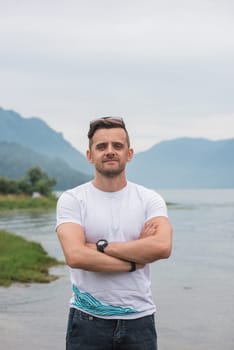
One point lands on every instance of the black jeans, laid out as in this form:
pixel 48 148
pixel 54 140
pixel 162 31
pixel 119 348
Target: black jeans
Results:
pixel 86 332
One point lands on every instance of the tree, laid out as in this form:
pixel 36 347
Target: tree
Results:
pixel 34 181
pixel 39 181
pixel 8 186
pixel 4 182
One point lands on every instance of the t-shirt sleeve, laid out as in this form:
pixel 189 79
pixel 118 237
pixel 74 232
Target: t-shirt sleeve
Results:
pixel 156 206
pixel 68 209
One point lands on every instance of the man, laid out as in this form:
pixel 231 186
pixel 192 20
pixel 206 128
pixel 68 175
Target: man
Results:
pixel 110 231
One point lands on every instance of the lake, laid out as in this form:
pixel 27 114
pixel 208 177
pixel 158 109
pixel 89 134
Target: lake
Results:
pixel 193 290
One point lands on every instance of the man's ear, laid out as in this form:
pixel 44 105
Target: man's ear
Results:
pixel 89 156
pixel 130 154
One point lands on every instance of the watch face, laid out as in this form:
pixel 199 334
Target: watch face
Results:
pixel 101 244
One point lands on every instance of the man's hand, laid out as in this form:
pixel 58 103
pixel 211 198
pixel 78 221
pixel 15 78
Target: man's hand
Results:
pixel 149 229
pixel 154 243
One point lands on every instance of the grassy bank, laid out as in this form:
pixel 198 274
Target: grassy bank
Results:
pixel 23 261
pixel 26 202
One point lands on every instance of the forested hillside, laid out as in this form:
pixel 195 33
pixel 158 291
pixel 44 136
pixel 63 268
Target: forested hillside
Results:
pixel 185 163
pixel 35 134
pixel 15 160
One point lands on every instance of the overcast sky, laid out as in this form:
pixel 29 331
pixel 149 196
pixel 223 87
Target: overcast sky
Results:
pixel 166 66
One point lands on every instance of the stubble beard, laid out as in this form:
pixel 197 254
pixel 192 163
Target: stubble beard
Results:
pixel 110 173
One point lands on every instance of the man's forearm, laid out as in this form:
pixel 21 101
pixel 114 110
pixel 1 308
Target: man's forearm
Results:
pixel 154 243
pixel 90 259
pixel 141 251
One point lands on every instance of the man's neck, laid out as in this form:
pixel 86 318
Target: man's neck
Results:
pixel 109 184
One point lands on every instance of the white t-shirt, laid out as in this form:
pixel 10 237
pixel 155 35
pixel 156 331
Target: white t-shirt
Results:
pixel 114 216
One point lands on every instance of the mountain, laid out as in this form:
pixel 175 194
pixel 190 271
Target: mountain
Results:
pixel 35 134
pixel 16 160
pixel 185 163
pixel 179 163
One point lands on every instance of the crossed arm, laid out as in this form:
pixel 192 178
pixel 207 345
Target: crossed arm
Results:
pixel 154 243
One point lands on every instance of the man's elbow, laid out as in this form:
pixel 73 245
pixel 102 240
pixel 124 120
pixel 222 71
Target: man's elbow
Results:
pixel 166 251
pixel 162 252
pixel 74 260
pixel 71 262
pixel 166 246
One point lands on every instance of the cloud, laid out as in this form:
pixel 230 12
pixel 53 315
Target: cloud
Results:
pixel 168 66
pixel 154 29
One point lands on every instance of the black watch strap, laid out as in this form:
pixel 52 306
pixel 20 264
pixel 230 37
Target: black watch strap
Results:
pixel 133 266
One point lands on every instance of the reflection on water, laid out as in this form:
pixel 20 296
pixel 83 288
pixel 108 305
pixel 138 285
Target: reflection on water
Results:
pixel 34 316
pixel 192 290
pixel 34 225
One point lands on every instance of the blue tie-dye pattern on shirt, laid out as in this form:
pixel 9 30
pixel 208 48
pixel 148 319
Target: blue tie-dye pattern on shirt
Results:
pixel 88 303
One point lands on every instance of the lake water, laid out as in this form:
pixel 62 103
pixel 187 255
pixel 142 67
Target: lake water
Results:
pixel 193 290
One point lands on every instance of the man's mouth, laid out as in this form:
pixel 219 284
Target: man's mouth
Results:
pixel 110 160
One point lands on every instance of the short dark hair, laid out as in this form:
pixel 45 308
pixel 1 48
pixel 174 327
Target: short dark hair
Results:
pixel 106 123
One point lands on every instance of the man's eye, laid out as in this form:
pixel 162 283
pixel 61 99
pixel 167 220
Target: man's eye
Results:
pixel 100 147
pixel 118 146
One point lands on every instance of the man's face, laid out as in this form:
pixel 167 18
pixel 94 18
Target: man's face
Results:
pixel 109 151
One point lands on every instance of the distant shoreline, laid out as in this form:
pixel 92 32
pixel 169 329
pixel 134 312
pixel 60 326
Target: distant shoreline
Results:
pixel 9 202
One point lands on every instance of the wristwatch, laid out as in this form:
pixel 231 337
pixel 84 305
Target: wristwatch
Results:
pixel 101 245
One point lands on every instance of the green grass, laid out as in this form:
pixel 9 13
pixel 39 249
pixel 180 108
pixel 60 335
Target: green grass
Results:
pixel 26 202
pixel 23 261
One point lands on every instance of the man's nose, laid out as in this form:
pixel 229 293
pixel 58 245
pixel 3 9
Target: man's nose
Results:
pixel 110 149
